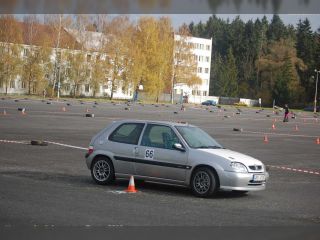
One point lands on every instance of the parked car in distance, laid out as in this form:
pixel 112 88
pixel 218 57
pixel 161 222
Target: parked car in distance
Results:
pixel 209 103
pixel 311 108
pixel 171 153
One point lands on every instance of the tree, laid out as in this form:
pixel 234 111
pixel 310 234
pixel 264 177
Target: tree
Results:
pixel 225 75
pixel 216 76
pixel 231 75
pixel 99 73
pixel 100 66
pixel 277 30
pixel 10 50
pixel 148 45
pixel 306 50
pixel 151 55
pixel 77 70
pixel 165 53
pixel 58 23
pixel 118 32
pixel 36 60
pixel 278 70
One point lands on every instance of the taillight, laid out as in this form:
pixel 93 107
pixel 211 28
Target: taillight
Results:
pixel 90 150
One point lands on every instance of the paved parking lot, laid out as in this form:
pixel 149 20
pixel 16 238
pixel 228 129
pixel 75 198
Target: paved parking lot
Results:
pixel 51 185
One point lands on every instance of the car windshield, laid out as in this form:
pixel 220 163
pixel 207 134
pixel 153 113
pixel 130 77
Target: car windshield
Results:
pixel 196 138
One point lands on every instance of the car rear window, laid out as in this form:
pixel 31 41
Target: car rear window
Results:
pixel 128 133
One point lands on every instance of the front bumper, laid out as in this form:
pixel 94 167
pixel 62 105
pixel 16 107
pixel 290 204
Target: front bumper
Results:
pixel 242 181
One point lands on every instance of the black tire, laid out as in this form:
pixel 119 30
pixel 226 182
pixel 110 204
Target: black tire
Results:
pixel 105 174
pixel 38 143
pixel 204 182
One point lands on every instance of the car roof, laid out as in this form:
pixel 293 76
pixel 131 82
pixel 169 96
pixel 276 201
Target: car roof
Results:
pixel 180 123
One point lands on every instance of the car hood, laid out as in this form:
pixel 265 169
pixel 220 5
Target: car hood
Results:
pixel 233 156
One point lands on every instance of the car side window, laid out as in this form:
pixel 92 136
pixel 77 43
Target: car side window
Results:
pixel 159 136
pixel 128 133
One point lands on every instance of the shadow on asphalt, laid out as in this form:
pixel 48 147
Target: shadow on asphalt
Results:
pixel 120 184
pixel 182 191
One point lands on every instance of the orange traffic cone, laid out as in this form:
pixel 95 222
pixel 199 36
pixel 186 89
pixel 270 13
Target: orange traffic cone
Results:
pixel 265 140
pixel 4 112
pixel 131 187
pixel 296 128
pixel 273 127
pixel 318 141
pixel 64 109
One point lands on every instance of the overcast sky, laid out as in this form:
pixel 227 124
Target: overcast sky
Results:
pixel 179 19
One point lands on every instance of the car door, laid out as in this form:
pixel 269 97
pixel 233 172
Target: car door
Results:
pixel 156 156
pixel 122 143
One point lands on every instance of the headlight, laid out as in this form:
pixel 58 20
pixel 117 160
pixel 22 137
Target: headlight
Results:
pixel 238 167
pixel 265 169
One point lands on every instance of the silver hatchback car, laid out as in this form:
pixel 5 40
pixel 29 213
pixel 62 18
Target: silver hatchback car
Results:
pixel 171 153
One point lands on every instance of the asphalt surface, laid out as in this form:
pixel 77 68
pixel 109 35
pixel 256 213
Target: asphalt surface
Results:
pixel 51 185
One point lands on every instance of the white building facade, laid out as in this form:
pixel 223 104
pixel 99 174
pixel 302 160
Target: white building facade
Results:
pixel 201 48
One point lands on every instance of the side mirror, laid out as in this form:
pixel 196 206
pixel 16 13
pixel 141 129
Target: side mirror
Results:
pixel 179 147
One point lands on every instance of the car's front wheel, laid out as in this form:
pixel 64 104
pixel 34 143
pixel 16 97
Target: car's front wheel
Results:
pixel 102 170
pixel 204 182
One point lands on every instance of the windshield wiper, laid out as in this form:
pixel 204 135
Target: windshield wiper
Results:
pixel 211 147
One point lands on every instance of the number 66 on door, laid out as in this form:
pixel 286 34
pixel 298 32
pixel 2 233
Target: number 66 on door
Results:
pixel 149 154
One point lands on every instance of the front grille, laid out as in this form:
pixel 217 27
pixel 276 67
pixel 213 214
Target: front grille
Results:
pixel 256 167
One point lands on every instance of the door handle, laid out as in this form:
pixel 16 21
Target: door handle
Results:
pixel 136 151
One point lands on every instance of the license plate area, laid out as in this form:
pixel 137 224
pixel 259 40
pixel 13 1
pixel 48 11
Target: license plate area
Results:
pixel 258 178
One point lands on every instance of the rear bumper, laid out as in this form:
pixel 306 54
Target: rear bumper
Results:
pixel 88 160
pixel 242 181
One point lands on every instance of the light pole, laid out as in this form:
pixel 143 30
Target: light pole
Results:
pixel 58 95
pixel 172 85
pixel 316 92
pixel 175 66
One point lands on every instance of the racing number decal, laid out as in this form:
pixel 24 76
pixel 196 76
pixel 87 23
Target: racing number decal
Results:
pixel 149 154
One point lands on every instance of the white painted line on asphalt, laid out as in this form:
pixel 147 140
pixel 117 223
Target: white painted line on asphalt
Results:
pixel 67 145
pixel 280 134
pixel 55 143
pixel 294 169
pixel 17 142
pixel 117 192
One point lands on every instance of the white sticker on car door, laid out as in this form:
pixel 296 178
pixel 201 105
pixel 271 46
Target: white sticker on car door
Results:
pixel 149 154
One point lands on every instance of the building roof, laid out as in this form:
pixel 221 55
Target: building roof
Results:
pixel 44 35
pixel 91 40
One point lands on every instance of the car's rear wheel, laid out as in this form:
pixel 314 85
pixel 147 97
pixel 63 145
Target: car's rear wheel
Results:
pixel 204 182
pixel 102 170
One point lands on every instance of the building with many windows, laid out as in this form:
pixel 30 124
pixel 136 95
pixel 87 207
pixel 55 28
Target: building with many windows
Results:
pixel 70 43
pixel 201 49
